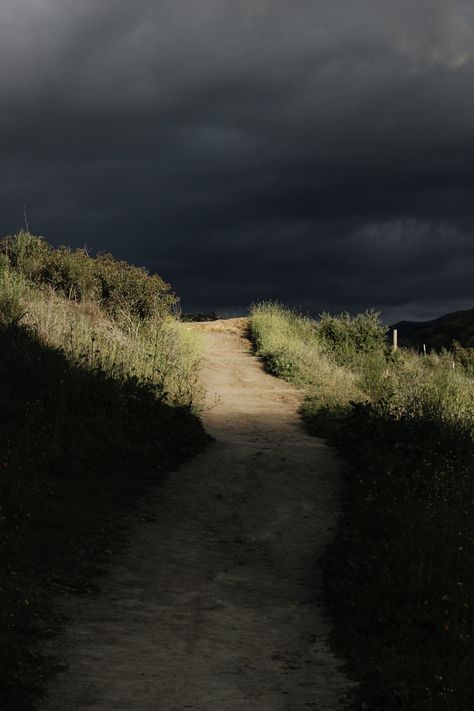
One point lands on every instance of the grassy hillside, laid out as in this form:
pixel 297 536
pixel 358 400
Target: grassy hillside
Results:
pixel 99 399
pixel 438 333
pixel 400 574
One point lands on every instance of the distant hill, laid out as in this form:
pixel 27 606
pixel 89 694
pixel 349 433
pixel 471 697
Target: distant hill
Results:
pixel 438 333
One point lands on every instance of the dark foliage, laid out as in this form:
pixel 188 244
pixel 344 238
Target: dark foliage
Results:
pixel 399 578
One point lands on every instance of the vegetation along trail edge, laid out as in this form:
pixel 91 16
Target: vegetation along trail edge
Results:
pixel 212 605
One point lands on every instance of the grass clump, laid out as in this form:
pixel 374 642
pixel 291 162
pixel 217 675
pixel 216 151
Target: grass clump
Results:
pixel 290 346
pixel 13 291
pixel 160 354
pixel 399 575
pixel 95 407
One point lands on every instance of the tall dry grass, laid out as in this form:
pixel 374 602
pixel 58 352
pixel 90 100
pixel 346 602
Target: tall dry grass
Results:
pixel 290 346
pixel 158 351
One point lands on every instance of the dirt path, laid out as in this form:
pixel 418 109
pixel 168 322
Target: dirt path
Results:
pixel 212 606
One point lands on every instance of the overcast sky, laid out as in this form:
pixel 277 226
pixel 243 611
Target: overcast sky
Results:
pixel 319 152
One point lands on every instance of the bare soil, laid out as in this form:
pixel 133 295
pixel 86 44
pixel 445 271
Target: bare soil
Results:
pixel 212 606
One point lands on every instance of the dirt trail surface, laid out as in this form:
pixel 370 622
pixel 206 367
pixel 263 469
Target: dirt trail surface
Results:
pixel 212 605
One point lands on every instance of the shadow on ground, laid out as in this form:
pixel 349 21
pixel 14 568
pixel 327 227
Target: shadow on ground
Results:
pixel 77 448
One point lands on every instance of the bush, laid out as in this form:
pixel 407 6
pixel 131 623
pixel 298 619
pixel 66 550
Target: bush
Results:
pixel 127 293
pixel 72 274
pixel 290 347
pixel 131 292
pixel 428 390
pixel 13 290
pixel 26 254
pixel 350 338
pixel 464 357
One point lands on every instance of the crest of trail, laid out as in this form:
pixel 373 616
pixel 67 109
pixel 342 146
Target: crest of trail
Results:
pixel 212 606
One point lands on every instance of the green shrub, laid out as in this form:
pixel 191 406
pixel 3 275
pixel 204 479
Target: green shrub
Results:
pixel 349 339
pixel 26 254
pixel 4 262
pixel 13 292
pixel 464 357
pixel 131 292
pixel 290 347
pixel 429 390
pixel 374 376
pixel 72 274
pixel 126 292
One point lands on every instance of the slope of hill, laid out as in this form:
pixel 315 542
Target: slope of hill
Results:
pixel 438 333
pixel 99 392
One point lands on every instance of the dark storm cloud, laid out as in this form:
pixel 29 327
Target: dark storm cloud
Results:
pixel 319 153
